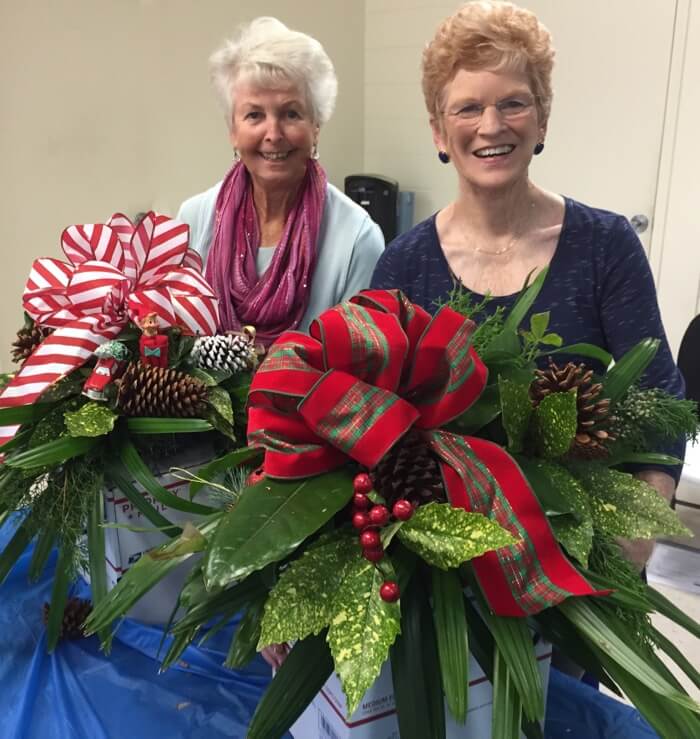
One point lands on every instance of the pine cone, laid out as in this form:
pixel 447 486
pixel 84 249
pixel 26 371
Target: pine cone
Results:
pixel 156 391
pixel 229 353
pixel 28 339
pixel 594 419
pixel 74 615
pixel 409 470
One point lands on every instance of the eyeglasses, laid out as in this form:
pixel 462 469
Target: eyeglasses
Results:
pixel 510 108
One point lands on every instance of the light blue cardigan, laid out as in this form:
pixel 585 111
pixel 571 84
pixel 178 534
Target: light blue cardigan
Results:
pixel 350 243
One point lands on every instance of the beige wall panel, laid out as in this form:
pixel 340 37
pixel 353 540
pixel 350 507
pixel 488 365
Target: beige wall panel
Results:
pixel 106 106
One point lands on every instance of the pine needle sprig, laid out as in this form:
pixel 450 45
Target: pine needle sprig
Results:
pixel 489 325
pixel 62 501
pixel 15 488
pixel 647 417
pixel 52 426
pixel 606 559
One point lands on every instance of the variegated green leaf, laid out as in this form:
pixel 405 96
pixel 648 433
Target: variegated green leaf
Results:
pixel 301 603
pixel 362 630
pixel 555 423
pixel 566 504
pixel 221 401
pixel 575 536
pixel 446 537
pixel 622 505
pixel 516 409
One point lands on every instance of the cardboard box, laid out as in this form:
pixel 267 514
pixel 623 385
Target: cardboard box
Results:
pixel 124 547
pixel 375 717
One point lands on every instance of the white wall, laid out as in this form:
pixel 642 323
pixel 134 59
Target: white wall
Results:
pixel 398 142
pixel 105 105
pixel 678 206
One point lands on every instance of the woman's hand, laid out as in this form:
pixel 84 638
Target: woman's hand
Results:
pixel 638 551
pixel 275 655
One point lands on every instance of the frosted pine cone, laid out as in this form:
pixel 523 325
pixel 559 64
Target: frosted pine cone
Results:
pixel 229 353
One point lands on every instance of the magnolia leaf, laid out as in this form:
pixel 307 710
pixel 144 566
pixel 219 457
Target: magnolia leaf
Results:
pixel 555 423
pixel 93 419
pixel 622 505
pixel 516 409
pixel 301 603
pixel 362 629
pixel 446 537
pixel 270 520
pixel 221 401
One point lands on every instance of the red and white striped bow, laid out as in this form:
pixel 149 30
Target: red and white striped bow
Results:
pixel 114 271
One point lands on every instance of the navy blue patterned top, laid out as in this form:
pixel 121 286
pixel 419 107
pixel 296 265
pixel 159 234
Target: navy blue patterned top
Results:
pixel 599 289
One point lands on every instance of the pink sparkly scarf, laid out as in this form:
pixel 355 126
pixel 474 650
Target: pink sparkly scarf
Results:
pixel 278 300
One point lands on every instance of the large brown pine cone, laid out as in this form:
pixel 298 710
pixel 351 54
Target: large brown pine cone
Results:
pixel 409 470
pixel 156 391
pixel 28 339
pixel 594 419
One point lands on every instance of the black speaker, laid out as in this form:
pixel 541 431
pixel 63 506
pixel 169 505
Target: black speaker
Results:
pixel 379 196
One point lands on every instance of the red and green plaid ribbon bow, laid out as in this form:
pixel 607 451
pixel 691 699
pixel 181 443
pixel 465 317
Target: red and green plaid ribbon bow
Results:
pixel 371 369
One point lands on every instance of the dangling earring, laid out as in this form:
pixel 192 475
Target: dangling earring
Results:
pixel 314 151
pixel 444 157
pixel 539 148
pixel 236 156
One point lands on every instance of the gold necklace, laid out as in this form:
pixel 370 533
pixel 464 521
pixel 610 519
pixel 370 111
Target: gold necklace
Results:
pixel 513 241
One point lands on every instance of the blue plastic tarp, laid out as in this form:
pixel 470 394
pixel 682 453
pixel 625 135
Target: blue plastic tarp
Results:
pixel 79 693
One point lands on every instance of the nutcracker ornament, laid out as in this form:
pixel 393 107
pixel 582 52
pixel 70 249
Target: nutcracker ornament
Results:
pixel 153 347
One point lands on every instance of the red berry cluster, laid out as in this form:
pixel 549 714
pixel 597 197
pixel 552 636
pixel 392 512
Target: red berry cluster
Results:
pixel 367 518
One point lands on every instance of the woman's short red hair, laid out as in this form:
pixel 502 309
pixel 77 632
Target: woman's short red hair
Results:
pixel 489 36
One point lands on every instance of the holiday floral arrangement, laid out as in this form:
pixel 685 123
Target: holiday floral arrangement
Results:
pixel 118 358
pixel 427 492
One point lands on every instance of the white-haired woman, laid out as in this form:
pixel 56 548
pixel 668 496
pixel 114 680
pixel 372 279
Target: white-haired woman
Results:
pixel 281 244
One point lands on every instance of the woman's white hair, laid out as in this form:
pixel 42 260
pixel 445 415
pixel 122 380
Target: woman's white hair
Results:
pixel 266 52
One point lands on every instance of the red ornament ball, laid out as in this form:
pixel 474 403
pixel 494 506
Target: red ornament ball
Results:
pixel 362 483
pixel 403 510
pixel 370 539
pixel 379 515
pixel 360 521
pixel 390 592
pixel 361 501
pixel 373 555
